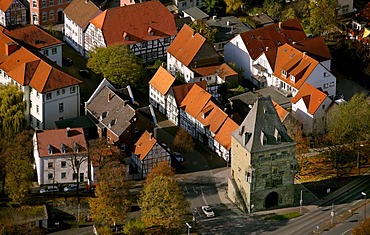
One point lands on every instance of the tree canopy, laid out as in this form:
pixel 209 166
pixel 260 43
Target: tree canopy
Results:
pixel 201 27
pixel 161 169
pixel 18 166
pixel 163 204
pixel 323 16
pixel 12 106
pixel 362 228
pixel 233 6
pixel 111 202
pixel 116 63
pixel 183 142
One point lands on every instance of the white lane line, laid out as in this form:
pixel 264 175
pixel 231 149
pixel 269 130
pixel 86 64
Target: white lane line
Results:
pixel 346 231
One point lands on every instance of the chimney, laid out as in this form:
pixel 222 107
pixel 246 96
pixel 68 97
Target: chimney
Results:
pixel 214 17
pixel 10 47
pixel 200 31
pixel 109 96
pixel 228 23
pixel 68 132
pixel 280 25
pixel 86 1
pixel 267 48
pixel 293 43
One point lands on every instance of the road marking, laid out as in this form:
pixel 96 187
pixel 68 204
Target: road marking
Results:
pixel 346 231
pixel 356 202
pixel 210 219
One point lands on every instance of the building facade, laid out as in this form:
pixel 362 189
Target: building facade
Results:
pixel 12 13
pixel 263 161
pixel 46 12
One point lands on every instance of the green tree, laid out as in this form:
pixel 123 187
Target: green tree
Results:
pixel 272 8
pixel 163 204
pixel 12 106
pixel 233 6
pixel 116 63
pixel 134 227
pixel 18 166
pixel 201 27
pixel 323 16
pixel 183 142
pixel 111 202
pixel 210 6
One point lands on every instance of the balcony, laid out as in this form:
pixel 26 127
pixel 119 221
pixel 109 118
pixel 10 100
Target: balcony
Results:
pixel 283 92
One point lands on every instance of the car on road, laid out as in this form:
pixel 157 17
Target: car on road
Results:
pixel 208 211
pixel 178 156
pixel 49 189
pixel 84 73
pixel 66 61
pixel 70 188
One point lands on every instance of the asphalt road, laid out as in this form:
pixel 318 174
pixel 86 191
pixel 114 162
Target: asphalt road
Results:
pixel 320 217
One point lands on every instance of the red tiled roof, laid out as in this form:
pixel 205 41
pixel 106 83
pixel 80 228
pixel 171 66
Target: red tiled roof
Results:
pixel 223 70
pixel 315 47
pixel 181 91
pixel 311 96
pixel 33 36
pixel 56 137
pixel 5 4
pixel 211 116
pixel 186 45
pixel 272 36
pixel 282 113
pixel 136 21
pixel 223 136
pixel 295 63
pixel 162 80
pixel 365 12
pixel 195 100
pixel 82 11
pixel 143 146
pixel 28 69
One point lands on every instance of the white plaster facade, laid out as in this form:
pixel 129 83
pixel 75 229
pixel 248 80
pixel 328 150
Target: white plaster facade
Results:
pixel 157 100
pixel 312 123
pixel 236 52
pixel 185 4
pixel 54 53
pixel 74 35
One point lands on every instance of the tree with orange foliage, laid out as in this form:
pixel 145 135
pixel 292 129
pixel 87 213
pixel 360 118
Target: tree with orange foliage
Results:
pixel 162 169
pixel 183 142
pixel 362 228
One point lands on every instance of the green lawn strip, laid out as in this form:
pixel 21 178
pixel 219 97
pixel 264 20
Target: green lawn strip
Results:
pixel 286 216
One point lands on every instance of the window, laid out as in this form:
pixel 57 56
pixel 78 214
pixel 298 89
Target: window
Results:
pixel 30 104
pixel 60 1
pixel 53 51
pixel 81 177
pixel 63 175
pixel 63 91
pixel 325 86
pixel 331 84
pixel 183 4
pixel 323 106
pixel 51 3
pixel 167 40
pixel 58 92
pixel 63 164
pixel 61 107
pixel 72 90
pixel 274 170
pixel 37 108
pixel 51 15
pixel 38 123
pixel 50 176
pixel 48 95
pixel 44 15
pixel 283 72
pixel 46 52
pixel 43 4
pixel 50 165
pixel 74 176
pixel 34 3
pixel 144 45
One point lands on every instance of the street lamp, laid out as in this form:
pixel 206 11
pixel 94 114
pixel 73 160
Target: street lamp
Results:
pixel 358 159
pixel 189 227
pixel 301 203
pixel 364 194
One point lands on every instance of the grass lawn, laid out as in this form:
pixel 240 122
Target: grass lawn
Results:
pixel 286 216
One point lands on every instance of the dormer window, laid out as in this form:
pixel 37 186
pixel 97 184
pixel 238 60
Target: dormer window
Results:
pixel 125 36
pixel 63 148
pixel 277 136
pixel 50 149
pixel 283 72
pixel 75 147
pixel 292 78
pixel 263 138
pixel 247 137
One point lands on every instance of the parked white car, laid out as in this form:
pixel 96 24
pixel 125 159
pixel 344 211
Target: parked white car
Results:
pixel 208 211
pixel 49 189
pixel 70 188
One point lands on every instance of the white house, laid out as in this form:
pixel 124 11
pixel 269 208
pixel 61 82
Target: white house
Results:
pixel 310 106
pixel 12 12
pixel 148 153
pixel 159 86
pixel 245 48
pixel 345 7
pixel 147 28
pixel 61 156
pixel 38 39
pixel 186 4
pixel 76 19
pixel 294 68
pixel 50 94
